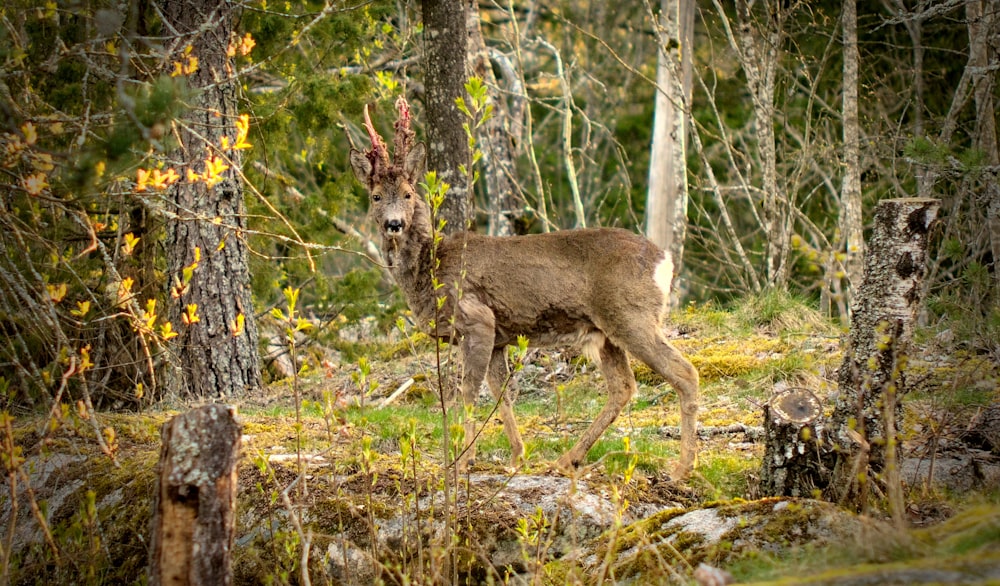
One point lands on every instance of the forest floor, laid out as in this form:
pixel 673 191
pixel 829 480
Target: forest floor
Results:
pixel 371 498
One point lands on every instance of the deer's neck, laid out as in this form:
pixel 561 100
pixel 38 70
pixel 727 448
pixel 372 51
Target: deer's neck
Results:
pixel 410 262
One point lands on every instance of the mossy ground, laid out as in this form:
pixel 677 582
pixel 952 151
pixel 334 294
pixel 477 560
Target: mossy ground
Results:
pixel 366 461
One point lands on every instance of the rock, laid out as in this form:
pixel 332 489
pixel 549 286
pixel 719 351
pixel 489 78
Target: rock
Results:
pixel 723 532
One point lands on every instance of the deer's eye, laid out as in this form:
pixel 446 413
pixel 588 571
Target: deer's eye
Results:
pixel 376 197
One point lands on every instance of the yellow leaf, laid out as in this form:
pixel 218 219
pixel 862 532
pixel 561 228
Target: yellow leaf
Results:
pixel 167 331
pixel 214 167
pixel 242 130
pixel 85 362
pixel 130 241
pixel 247 44
pixel 236 326
pixel 35 184
pixel 141 180
pixel 82 309
pixel 30 134
pixel 160 180
pixel 190 315
pixel 56 292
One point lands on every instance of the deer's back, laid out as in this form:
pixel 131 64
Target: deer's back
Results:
pixel 555 286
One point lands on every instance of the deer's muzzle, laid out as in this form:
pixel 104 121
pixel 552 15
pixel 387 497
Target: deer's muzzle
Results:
pixel 393 226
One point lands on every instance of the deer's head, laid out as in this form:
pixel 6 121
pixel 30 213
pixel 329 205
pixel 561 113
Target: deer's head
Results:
pixel 392 184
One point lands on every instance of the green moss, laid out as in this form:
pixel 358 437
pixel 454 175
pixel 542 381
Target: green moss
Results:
pixel 418 342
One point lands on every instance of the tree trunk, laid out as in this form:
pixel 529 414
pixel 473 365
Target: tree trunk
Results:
pixel 873 372
pixel 194 522
pixel 211 307
pixel 851 227
pixel 983 24
pixel 793 430
pixel 444 81
pixel 495 141
pixel 760 52
pixel 667 196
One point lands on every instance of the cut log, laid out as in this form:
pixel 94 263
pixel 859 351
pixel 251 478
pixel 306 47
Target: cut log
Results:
pixel 193 512
pixel 793 425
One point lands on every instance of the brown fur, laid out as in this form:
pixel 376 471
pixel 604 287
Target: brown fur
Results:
pixel 594 288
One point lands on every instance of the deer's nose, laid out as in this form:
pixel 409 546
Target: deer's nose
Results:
pixel 394 226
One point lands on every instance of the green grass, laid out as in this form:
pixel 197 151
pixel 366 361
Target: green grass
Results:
pixel 726 474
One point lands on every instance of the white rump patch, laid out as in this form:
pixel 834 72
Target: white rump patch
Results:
pixel 664 275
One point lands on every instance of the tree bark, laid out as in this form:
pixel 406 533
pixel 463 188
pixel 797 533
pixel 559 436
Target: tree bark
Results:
pixel 205 225
pixel 873 371
pixel 851 226
pixel 667 195
pixel 983 23
pixel 495 140
pixel 444 81
pixel 194 522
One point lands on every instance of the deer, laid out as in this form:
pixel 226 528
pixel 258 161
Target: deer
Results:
pixel 602 290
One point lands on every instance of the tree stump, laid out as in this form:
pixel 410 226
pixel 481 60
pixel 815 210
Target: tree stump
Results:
pixel 873 373
pixel 194 524
pixel 793 427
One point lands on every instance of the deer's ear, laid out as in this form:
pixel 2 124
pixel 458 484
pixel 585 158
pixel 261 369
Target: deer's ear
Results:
pixel 415 161
pixel 362 167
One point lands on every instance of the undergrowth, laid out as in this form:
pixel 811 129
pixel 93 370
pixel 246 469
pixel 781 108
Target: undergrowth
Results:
pixel 372 507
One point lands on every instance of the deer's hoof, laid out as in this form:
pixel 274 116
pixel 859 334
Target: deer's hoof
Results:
pixel 681 471
pixel 566 465
pixel 464 465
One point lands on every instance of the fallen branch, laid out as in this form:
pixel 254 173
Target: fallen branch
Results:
pixel 753 433
pixel 395 394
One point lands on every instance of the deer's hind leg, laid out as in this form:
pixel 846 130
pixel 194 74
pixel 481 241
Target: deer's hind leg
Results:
pixel 497 379
pixel 649 345
pixel 621 387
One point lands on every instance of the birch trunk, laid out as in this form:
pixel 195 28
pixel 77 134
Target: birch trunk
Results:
pixel 873 370
pixel 759 51
pixel 206 223
pixel 667 196
pixel 851 226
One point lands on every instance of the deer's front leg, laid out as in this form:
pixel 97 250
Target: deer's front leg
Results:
pixel 499 385
pixel 477 326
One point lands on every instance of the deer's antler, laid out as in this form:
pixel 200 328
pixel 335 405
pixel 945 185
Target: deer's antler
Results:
pixel 379 154
pixel 404 134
